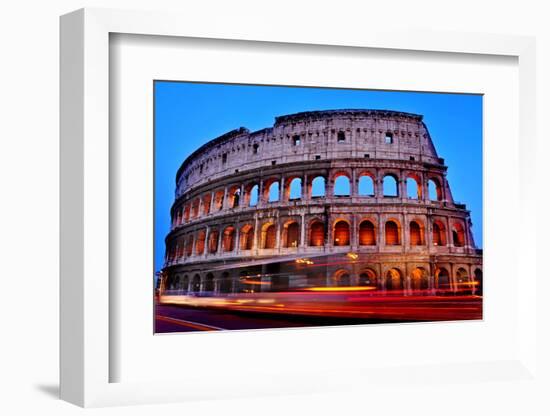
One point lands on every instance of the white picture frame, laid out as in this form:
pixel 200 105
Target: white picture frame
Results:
pixel 86 304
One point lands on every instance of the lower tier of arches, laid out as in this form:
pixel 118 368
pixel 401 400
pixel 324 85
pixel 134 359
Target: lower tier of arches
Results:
pixel 454 276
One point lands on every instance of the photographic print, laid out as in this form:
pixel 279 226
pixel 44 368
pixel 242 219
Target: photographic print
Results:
pixel 283 206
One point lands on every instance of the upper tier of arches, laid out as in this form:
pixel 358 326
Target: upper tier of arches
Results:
pixel 318 135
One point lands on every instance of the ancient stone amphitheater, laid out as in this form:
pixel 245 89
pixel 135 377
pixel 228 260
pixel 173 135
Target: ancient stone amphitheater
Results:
pixel 322 198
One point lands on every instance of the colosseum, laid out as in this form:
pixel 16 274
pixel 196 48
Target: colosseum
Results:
pixel 321 199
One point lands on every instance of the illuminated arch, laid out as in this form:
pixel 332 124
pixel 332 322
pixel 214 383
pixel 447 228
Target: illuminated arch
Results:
pixel 341 233
pixel 247 237
pixel 291 234
pixel 228 239
pixel 268 236
pixel 317 233
pixel 392 233
pixel 368 277
pixel 367 233
pixel 394 279
pixel 419 279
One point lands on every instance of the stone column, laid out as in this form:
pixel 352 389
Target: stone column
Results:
pixel 194 246
pixel 261 193
pixel 354 233
pixel 406 237
pixel 381 232
pixel 303 232
pixel 257 235
pixel 428 232
pixel 278 235
pixel 206 237
pixel 237 242
pixel 220 241
pixel 378 187
pixel 329 186
pixel 449 234
pixel 353 186
pixel 241 196
pixel 305 196
pixel 281 189
pixel 224 204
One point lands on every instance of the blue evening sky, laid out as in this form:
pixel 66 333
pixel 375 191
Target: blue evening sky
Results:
pixel 188 115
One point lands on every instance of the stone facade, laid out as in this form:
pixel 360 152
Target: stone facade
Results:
pixel 324 183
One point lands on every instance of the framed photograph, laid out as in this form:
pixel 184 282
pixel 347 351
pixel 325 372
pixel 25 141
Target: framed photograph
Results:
pixel 286 213
pixel 328 216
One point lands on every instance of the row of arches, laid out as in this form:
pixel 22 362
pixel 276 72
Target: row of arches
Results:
pixel 296 187
pixel 272 235
pixel 391 280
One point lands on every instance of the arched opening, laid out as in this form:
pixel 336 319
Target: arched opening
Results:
pixel 419 279
pixel 317 234
pixel 366 186
pixel 199 245
pixel 228 242
pixel 389 186
pixel 442 279
pixel 295 189
pixel 367 277
pixel 225 283
pixel 253 196
pixel 206 204
pixel 209 283
pixel 458 235
pixel 291 234
pixel 414 190
pixel 434 190
pixel 463 280
pixel 392 234
pixel 213 241
pixel 341 233
pixel 274 192
pixel 269 236
pixel 394 280
pixel 196 283
pixel 195 208
pixel 189 246
pixel 416 234
pixel 342 278
pixel 439 235
pixel 247 237
pixel 367 234
pixel 478 276
pixel 342 186
pixel 218 200
pixel 186 213
pixel 318 187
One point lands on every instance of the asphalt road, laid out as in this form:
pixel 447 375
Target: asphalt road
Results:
pixel 175 318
